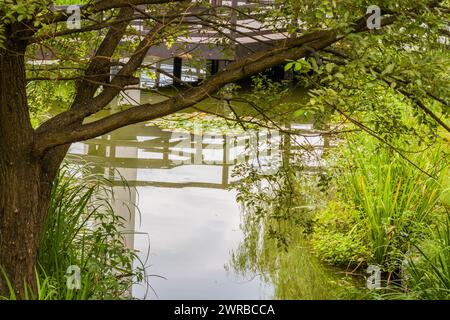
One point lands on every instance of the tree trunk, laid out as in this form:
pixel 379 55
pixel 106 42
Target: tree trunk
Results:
pixel 25 185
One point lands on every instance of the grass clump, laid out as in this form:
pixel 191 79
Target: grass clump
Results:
pixel 384 211
pixel 427 272
pixel 337 239
pixel 83 233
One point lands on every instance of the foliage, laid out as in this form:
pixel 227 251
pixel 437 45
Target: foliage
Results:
pixel 393 200
pixel 374 78
pixel 427 273
pixel 45 288
pixel 82 230
pixel 43 96
pixel 337 237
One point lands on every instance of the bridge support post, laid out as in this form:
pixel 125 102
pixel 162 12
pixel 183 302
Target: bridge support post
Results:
pixel 278 73
pixel 199 74
pixel 215 66
pixel 226 159
pixel 158 75
pixel 177 70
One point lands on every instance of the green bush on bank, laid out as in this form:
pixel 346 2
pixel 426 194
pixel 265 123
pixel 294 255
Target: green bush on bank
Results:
pixel 384 211
pixel 337 239
pixel 427 272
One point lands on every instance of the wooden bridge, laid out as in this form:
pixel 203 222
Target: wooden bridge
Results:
pixel 244 33
pixel 140 149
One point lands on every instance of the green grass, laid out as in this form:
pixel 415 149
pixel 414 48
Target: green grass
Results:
pixel 393 199
pixel 427 275
pixel 337 238
pixel 82 230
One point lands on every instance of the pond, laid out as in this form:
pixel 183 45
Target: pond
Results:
pixel 180 213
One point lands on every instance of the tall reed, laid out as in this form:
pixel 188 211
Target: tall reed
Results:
pixel 427 274
pixel 394 199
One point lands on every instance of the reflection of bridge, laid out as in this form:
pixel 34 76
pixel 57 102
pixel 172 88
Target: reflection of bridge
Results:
pixel 147 156
pixel 138 151
pixel 142 154
pixel 144 149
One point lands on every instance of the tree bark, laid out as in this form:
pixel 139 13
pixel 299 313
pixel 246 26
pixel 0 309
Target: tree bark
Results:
pixel 25 185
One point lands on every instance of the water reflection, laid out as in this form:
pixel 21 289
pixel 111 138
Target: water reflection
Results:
pixel 181 190
pixel 181 204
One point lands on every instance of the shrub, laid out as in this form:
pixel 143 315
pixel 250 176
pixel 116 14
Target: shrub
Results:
pixel 392 201
pixel 337 237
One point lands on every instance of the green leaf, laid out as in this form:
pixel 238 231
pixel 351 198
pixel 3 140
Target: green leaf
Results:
pixel 288 66
pixel 389 69
pixel 299 113
pixel 329 67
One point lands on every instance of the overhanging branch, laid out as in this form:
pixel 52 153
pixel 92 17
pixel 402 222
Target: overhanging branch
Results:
pixel 288 49
pixel 252 65
pixel 103 5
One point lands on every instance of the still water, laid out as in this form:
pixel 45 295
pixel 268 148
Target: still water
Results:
pixel 186 221
pixel 181 214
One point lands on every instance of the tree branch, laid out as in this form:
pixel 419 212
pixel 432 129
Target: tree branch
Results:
pixel 103 5
pixel 287 49
pixel 252 65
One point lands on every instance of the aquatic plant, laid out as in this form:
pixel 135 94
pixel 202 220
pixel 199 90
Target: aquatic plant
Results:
pixel 379 204
pixel 427 271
